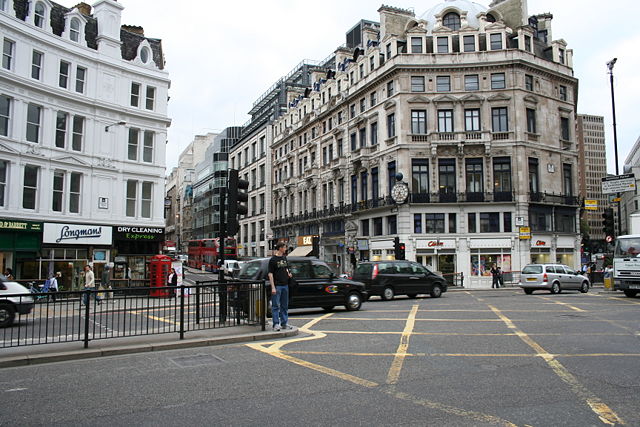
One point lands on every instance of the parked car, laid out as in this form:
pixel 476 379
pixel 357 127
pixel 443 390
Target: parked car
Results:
pixel 390 278
pixel 318 286
pixel 552 277
pixel 20 302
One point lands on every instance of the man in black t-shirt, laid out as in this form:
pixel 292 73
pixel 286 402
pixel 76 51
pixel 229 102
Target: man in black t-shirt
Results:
pixel 279 275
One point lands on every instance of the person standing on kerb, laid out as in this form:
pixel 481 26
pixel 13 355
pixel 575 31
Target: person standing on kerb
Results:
pixel 279 276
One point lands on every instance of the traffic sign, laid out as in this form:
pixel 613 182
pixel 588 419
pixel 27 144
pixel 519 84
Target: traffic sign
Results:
pixel 618 183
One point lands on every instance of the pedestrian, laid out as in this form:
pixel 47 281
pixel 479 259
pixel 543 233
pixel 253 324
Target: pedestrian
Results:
pixel 500 277
pixel 53 286
pixel 8 273
pixel 495 275
pixel 172 282
pixel 89 285
pixel 279 276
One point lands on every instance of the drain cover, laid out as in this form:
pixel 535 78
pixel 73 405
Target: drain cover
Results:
pixel 197 360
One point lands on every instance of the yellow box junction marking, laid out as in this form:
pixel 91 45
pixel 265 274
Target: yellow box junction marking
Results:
pixel 561 303
pixel 396 365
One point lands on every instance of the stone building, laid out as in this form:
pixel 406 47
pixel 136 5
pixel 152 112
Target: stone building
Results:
pixel 474 106
pixel 83 125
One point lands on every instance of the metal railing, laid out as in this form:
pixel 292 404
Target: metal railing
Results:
pixel 73 316
pixel 454 279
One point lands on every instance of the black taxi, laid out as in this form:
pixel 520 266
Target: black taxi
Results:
pixel 317 286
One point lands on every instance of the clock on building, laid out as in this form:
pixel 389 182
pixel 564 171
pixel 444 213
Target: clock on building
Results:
pixel 400 193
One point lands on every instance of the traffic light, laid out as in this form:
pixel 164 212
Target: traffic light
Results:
pixel 608 222
pixel 316 247
pixel 398 248
pixel 401 251
pixel 236 200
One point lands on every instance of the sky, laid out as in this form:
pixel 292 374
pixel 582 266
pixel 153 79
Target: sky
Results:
pixel 222 56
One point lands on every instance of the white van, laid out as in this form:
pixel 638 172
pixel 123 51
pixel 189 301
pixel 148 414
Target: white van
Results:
pixel 20 301
pixel 231 267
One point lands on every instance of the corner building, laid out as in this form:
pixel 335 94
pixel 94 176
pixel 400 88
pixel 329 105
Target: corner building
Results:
pixel 83 125
pixel 474 106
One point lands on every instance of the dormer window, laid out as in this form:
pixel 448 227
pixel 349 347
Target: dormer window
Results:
pixel 74 30
pixel 451 20
pixel 39 15
pixel 144 55
pixel 496 41
pixel 491 18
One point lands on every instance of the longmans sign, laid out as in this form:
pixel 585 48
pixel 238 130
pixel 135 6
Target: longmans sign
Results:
pixel 76 234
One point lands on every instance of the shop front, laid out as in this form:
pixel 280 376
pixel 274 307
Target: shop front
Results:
pixel 67 248
pixel 20 243
pixel 566 252
pixel 541 249
pixel 483 254
pixel 133 247
pixel 437 254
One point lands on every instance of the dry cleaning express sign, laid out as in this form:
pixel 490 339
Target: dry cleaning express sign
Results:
pixel 76 234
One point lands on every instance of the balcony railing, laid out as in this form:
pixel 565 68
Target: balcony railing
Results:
pixel 463 197
pixel 554 199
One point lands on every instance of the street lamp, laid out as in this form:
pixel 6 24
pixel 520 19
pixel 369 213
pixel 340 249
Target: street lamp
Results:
pixel 106 128
pixel 610 65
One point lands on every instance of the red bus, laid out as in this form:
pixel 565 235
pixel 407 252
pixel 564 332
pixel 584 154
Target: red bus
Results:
pixel 206 252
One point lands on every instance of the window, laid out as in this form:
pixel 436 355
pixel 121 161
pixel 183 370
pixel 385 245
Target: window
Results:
pixel 418 121
pixel 58 191
pixel 534 183
pixel 489 222
pixel 506 221
pixel 496 41
pixel 451 20
pixel 363 105
pixel 34 113
pixel 3 181
pixel 472 120
pixel 7 54
pixel 392 224
pixel 388 51
pixel 61 129
pixel 416 44
pixel 74 192
pixel 564 129
pixel 443 83
pixel 471 223
pixel 528 82
pixel 391 174
pixel 78 130
pixel 434 223
pixel 471 82
pixel 417 223
pixel 469 43
pixel 81 76
pixel 531 120
pixel 443 45
pixel 363 137
pixel 377 226
pixel 567 179
pixel 417 84
pixel 474 175
pixel 563 92
pixel 374 99
pixel 561 56
pixel 151 95
pixel 74 30
pixel 132 187
pixel 364 227
pixel 5 111
pixel 36 65
pixel 499 119
pixel 372 63
pixel 527 43
pixel 420 176
pixel 63 79
pixel 390 88
pixel 375 184
pixel 30 187
pixel 352 114
pixel 135 94
pixel 364 180
pixel 144 55
pixel 447 176
pixel 353 139
pixel 38 16
pixel 452 223
pixel 147 148
pixel 145 211
pixel 445 121
pixel 354 188
pixel 497 81
pixel 374 133
pixel 391 125
pixel 132 152
pixel 502 174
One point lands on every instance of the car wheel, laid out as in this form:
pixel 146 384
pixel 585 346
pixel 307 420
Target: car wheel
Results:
pixel 328 308
pixel 436 292
pixel 584 288
pixel 630 293
pixel 528 291
pixel 412 295
pixel 555 288
pixel 354 302
pixel 7 314
pixel 387 293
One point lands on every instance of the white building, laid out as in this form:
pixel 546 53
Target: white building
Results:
pixel 83 126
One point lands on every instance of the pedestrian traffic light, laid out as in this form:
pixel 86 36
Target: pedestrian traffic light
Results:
pixel 608 222
pixel 236 200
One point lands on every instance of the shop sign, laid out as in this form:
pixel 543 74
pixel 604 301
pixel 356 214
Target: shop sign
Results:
pixel 525 233
pixel 76 234
pixel 305 240
pixel 8 224
pixel 539 243
pixel 435 244
pixel 141 234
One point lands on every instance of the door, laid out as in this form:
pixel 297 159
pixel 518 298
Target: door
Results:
pixel 424 283
pixel 573 281
pixel 408 282
pixel 327 293
pixel 302 272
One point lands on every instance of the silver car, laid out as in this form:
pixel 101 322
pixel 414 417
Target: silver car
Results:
pixel 552 277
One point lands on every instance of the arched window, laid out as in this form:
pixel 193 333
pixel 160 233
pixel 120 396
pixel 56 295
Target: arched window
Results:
pixel 74 33
pixel 451 20
pixel 38 17
pixel 491 18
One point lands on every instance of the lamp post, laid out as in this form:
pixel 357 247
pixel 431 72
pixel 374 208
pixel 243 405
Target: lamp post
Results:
pixel 610 65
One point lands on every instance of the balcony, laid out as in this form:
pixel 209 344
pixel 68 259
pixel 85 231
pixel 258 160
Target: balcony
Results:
pixel 464 197
pixel 554 199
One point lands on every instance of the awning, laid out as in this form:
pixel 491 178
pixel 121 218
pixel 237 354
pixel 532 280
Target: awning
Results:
pixel 301 251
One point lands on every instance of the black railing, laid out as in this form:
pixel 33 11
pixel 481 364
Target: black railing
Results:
pixel 72 316
pixel 554 199
pixel 454 279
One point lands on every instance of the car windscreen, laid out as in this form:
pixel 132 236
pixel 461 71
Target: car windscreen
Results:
pixel 250 270
pixel 532 269
pixel 627 247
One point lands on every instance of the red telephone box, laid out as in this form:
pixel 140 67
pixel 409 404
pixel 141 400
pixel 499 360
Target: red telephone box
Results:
pixel 159 269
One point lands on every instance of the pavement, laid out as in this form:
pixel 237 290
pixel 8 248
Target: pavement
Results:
pixel 50 353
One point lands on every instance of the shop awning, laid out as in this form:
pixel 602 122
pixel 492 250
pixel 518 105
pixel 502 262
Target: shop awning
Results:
pixel 301 251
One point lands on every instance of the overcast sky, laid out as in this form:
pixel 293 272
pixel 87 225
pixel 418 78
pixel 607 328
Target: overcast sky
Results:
pixel 222 56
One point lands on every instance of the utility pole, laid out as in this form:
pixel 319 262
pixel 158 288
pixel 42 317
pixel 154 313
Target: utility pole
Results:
pixel 610 65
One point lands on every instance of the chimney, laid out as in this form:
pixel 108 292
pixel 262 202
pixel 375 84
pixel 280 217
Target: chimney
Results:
pixel 134 29
pixel 84 8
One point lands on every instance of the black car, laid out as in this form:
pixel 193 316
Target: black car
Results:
pixel 390 278
pixel 318 286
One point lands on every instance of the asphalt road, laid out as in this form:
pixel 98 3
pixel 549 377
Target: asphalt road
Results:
pixel 478 358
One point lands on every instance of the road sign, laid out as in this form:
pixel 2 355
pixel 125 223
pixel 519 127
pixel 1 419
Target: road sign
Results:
pixel 618 183
pixel 609 239
pixel 591 205
pixel 525 233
